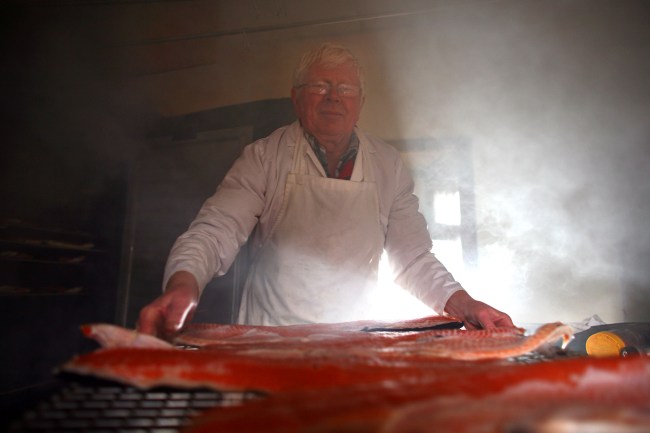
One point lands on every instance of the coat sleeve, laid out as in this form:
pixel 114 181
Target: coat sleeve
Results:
pixel 408 245
pixel 224 222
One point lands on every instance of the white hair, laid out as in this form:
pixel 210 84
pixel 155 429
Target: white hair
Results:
pixel 329 55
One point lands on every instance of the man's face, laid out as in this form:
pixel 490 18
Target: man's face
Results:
pixel 332 115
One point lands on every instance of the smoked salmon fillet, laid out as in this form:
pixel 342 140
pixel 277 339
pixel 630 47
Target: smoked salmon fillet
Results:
pixel 437 343
pixel 449 344
pixel 290 367
pixel 334 379
pixel 229 371
pixel 569 395
pixel 581 395
pixel 491 344
pixel 202 334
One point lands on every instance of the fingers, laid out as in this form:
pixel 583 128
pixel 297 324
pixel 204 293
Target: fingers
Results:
pixel 150 320
pixel 178 313
pixel 165 316
pixel 504 321
pixel 182 296
pixel 470 326
pixel 486 321
pixel 492 319
pixel 483 316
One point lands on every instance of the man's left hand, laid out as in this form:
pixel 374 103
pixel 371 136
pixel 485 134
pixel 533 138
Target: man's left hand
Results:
pixel 476 314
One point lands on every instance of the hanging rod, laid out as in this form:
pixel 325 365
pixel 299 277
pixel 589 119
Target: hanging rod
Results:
pixel 276 27
pixel 244 30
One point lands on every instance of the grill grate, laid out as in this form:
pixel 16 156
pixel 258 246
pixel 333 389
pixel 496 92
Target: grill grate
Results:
pixel 110 408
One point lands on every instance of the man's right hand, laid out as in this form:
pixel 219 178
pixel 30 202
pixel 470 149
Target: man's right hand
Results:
pixel 167 315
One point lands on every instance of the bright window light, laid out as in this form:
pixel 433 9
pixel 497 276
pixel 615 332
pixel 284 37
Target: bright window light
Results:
pixel 446 208
pixel 450 253
pixel 392 302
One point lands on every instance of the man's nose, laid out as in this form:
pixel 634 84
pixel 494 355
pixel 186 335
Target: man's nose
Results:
pixel 333 92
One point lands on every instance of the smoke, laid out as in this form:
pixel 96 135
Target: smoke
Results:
pixel 554 101
pixel 552 97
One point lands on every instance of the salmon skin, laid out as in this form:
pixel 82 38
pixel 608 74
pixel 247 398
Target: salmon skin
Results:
pixel 108 335
pixel 568 395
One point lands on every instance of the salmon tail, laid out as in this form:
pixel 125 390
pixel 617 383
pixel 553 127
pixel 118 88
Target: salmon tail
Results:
pixel 554 332
pixel 87 330
pixel 566 339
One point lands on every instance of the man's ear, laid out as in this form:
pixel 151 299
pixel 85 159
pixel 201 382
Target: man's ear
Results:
pixel 294 99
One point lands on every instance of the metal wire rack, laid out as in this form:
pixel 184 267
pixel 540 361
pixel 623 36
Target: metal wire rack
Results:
pixel 105 407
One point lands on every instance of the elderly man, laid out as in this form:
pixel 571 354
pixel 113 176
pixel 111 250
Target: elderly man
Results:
pixel 322 200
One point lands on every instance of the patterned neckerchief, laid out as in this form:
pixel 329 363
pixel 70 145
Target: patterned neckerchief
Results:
pixel 346 162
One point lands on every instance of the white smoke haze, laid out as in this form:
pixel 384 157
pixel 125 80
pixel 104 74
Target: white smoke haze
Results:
pixel 554 98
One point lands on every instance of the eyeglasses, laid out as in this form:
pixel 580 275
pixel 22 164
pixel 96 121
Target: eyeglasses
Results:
pixel 323 88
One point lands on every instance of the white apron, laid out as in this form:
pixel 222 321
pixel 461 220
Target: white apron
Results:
pixel 320 261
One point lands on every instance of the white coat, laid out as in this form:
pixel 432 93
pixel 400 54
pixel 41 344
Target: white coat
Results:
pixel 251 196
